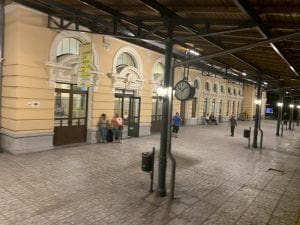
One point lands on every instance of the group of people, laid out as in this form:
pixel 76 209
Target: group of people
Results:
pixel 110 131
pixel 211 119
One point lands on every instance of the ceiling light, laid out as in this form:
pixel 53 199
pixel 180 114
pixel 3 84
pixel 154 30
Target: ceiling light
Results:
pixel 191 51
pixel 244 73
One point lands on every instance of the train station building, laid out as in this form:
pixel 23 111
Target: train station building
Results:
pixel 202 97
pixel 43 107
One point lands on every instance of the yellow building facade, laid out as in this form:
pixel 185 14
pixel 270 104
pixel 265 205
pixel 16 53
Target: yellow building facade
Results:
pixel 41 101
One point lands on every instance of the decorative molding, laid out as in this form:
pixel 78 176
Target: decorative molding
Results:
pixel 129 78
pixel 66 70
pixel 131 51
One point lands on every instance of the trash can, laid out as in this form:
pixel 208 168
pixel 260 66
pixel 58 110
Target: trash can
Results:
pixel 147 161
pixel 246 133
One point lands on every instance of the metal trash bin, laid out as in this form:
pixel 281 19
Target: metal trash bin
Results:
pixel 246 133
pixel 147 161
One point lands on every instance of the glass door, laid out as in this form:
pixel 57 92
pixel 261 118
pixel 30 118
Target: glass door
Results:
pixel 134 116
pixel 70 114
pixel 128 107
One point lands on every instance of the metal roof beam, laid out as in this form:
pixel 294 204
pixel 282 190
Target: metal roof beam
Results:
pixel 247 9
pixel 226 31
pixel 168 14
pixel 230 51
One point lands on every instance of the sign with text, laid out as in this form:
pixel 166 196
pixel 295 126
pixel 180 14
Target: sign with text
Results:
pixel 84 77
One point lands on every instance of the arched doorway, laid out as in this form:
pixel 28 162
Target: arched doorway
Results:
pixel 127 84
pixel 71 101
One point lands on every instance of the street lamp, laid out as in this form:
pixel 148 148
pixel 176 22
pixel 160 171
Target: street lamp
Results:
pixel 292 106
pixel 279 118
pixel 257 101
pixel 161 91
pixel 164 91
pixel 298 107
pixel 280 104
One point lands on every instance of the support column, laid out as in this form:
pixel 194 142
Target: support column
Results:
pixel 2 29
pixel 279 116
pixel 257 116
pixel 166 119
pixel 291 114
pixel 298 108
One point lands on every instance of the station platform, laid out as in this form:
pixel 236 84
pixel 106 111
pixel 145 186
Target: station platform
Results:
pixel 219 181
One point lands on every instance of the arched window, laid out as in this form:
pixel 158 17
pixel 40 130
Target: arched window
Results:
pixel 234 91
pixel 207 86
pixel 124 60
pixel 215 88
pixel 240 92
pixel 229 90
pixel 222 89
pixel 68 46
pixel 196 84
pixel 159 68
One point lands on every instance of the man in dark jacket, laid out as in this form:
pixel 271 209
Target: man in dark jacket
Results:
pixel 233 124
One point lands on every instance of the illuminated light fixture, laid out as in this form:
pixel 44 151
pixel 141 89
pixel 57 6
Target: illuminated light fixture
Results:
pixel 191 51
pixel 244 74
pixel 275 48
pixel 292 106
pixel 298 106
pixel 286 92
pixel 265 83
pixel 292 68
pixel 161 91
pixel 164 92
pixel 257 101
pixel 280 104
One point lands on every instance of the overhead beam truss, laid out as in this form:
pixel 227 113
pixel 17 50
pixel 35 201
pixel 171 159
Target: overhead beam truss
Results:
pixel 248 10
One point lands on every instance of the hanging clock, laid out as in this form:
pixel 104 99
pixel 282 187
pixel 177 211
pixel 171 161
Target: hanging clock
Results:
pixel 184 90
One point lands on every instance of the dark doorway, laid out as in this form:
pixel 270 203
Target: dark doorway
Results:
pixel 156 117
pixel 70 115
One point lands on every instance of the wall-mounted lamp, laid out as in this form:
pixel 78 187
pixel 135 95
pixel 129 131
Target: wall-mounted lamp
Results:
pixel 257 101
pixel 161 91
pixel 298 106
pixel 164 91
pixel 280 104
pixel 292 106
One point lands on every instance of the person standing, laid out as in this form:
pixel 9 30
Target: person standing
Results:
pixel 103 124
pixel 233 124
pixel 176 120
pixel 117 127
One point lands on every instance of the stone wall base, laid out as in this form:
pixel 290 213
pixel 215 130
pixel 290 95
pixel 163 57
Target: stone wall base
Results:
pixel 19 143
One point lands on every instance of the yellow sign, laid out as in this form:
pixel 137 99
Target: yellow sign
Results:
pixel 84 78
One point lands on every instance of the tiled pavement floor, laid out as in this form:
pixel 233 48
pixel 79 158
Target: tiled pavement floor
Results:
pixel 218 181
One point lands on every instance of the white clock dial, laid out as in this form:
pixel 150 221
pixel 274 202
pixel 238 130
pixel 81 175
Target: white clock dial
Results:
pixel 182 90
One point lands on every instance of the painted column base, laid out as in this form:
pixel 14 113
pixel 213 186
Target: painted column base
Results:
pixel 93 136
pixel 19 143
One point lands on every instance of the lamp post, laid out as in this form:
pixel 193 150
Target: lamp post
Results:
pixel 165 133
pixel 279 117
pixel 298 109
pixel 256 124
pixel 291 115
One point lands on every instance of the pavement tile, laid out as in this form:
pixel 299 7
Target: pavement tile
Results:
pixel 218 181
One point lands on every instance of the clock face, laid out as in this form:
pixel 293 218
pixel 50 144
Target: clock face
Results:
pixel 182 90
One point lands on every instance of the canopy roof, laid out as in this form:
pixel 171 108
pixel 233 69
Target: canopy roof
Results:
pixel 206 26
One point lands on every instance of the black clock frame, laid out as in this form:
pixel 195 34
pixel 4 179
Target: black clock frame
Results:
pixel 192 90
